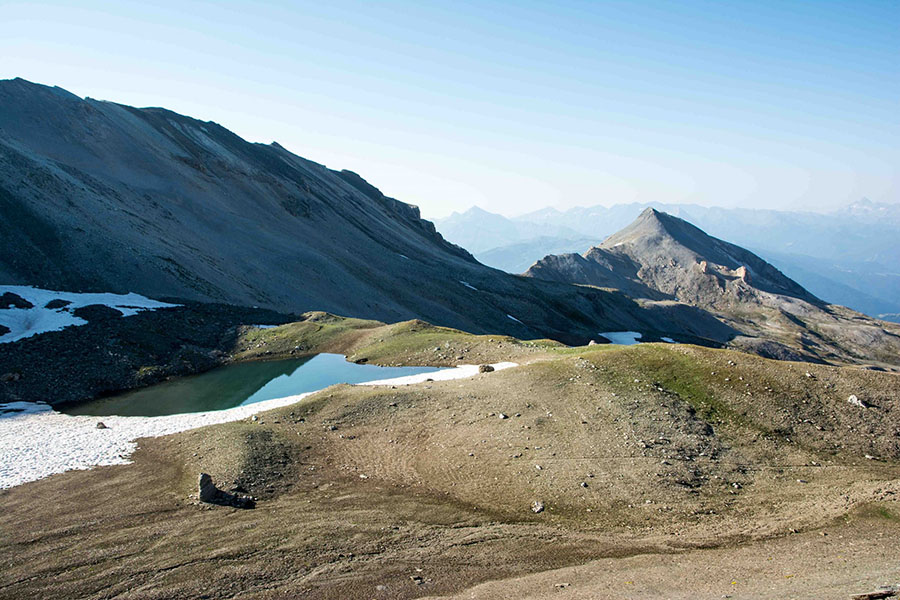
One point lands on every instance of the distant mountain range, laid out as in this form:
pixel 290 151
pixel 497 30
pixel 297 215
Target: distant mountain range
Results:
pixel 849 257
pixel 661 257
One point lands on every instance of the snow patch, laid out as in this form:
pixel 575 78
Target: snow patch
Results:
pixel 668 340
pixel 624 338
pixel 26 322
pixel 468 285
pixel 515 319
pixel 265 326
pixel 26 427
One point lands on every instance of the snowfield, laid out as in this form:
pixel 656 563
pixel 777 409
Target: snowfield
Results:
pixel 624 338
pixel 37 441
pixel 26 322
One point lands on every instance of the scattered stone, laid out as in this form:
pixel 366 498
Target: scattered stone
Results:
pixel 537 507
pixel 254 418
pixel 101 425
pixel 331 428
pixel 503 416
pixel 210 494
pixel 855 401
pixel 8 377
pixel 583 484
pixel 485 368
pixel 592 343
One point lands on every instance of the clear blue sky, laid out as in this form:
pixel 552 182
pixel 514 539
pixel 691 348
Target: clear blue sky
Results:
pixel 512 106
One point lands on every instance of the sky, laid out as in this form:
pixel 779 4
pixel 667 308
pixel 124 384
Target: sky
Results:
pixel 512 106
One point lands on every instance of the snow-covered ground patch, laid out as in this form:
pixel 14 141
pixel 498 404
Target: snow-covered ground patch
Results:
pixel 668 340
pixel 26 322
pixel 36 441
pixel 468 285
pixel 265 326
pixel 624 338
pixel 514 319
pixel 460 372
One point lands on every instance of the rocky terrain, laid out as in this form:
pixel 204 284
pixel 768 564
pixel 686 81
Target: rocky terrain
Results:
pixel 101 197
pixel 660 257
pixel 846 257
pixel 597 471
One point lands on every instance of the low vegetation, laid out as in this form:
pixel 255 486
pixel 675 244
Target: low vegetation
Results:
pixel 654 449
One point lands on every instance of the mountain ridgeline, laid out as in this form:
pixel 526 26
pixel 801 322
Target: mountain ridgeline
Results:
pixel 660 257
pixel 98 196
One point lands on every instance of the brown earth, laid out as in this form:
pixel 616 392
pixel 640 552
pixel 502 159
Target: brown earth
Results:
pixel 698 467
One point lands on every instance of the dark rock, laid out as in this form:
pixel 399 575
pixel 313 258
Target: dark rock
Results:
pixel 4 329
pixel 210 494
pixel 8 377
pixel 485 368
pixel 57 303
pixel 101 425
pixel 97 312
pixel 10 300
pixel 879 595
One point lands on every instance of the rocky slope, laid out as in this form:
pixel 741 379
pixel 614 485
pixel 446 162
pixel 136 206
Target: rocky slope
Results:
pixel 97 196
pixel 847 257
pixel 662 257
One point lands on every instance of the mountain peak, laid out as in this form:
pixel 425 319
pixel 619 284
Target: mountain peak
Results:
pixel 672 256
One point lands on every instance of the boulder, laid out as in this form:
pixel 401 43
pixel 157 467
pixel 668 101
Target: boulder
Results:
pixel 57 303
pixel 210 494
pixel 485 368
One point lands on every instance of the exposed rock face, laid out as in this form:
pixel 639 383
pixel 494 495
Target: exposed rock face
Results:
pixel 97 312
pixel 661 257
pixel 210 494
pixel 97 196
pixel 10 300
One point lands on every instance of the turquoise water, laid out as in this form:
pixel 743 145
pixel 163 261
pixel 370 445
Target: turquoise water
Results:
pixel 239 384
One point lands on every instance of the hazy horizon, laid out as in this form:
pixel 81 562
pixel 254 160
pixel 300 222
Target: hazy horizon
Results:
pixel 513 107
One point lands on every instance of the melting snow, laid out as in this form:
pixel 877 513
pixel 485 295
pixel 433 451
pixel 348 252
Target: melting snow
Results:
pixel 26 322
pixel 26 427
pixel 625 338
